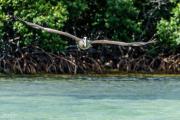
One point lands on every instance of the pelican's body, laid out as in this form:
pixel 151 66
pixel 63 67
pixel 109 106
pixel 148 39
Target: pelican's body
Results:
pixel 84 44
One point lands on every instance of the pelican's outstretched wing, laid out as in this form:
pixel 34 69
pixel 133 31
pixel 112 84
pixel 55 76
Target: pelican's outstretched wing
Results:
pixel 77 39
pixel 50 30
pixel 110 42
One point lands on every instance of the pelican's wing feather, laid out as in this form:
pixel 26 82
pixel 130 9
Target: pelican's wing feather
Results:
pixel 110 42
pixel 50 30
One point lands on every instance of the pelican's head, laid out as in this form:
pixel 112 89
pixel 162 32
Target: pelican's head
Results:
pixel 84 38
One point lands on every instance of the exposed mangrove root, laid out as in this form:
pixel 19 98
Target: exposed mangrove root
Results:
pixel 170 64
pixel 31 59
pixel 86 64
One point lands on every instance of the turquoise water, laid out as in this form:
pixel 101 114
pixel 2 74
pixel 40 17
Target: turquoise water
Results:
pixel 90 98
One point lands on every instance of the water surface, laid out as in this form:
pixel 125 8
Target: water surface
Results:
pixel 90 98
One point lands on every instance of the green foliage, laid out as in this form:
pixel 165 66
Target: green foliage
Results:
pixel 121 19
pixel 50 13
pixel 169 30
pixel 75 7
pixel 151 12
pixel 76 19
pixel 124 20
pixel 97 19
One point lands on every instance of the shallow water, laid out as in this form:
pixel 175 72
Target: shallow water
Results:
pixel 90 98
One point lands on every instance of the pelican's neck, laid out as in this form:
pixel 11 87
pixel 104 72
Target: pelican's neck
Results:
pixel 85 41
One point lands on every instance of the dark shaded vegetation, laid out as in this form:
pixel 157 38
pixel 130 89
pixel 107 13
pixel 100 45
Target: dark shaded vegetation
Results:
pixel 26 50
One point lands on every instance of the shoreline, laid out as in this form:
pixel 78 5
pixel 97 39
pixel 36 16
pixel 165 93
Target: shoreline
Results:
pixel 109 74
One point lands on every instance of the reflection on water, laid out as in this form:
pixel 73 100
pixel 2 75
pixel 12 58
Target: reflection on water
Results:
pixel 90 98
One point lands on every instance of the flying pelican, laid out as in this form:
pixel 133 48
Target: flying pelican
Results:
pixel 83 43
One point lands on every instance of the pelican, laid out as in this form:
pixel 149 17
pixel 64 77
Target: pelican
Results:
pixel 83 43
